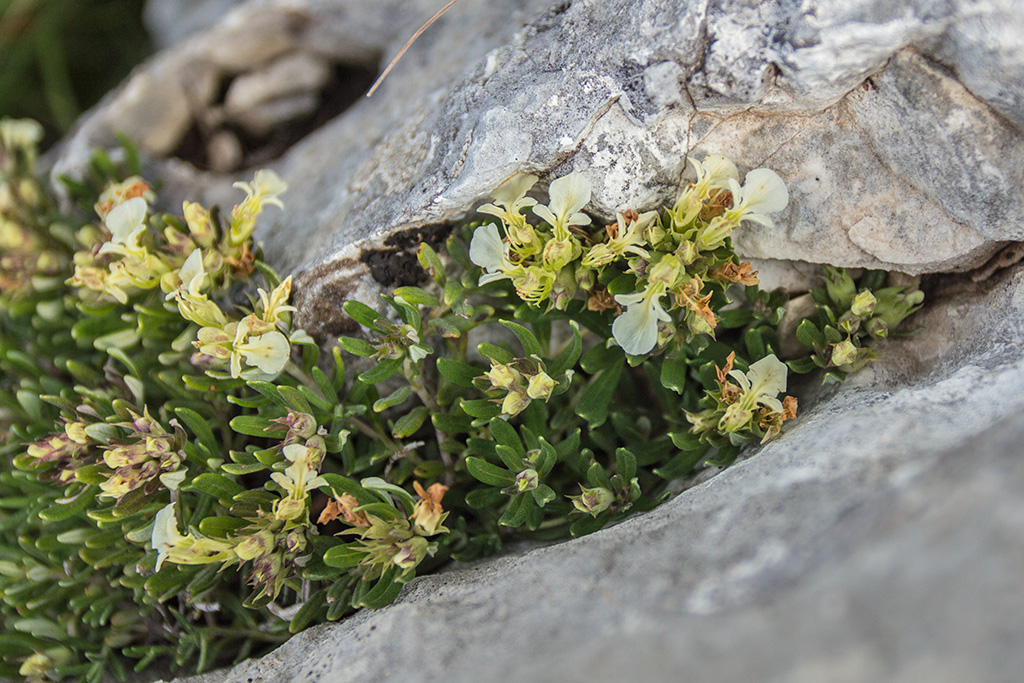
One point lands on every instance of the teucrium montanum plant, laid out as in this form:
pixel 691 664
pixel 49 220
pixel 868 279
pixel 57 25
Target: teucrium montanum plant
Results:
pixel 187 479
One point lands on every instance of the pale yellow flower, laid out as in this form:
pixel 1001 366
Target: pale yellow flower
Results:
pixel 567 196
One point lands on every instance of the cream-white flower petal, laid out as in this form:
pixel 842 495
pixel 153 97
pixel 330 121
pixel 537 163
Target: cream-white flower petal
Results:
pixel 486 248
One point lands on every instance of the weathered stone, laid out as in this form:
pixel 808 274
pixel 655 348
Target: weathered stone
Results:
pixel 171 21
pixel 266 116
pixel 224 151
pixel 298 73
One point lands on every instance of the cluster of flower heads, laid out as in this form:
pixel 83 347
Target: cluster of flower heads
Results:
pixel 672 261
pixel 748 407
pixel 193 262
pixel 27 262
pixel 126 256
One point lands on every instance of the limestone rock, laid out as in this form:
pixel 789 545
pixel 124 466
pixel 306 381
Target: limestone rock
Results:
pixel 298 73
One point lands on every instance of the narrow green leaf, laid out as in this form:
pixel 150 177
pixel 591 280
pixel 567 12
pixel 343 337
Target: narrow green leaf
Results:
pixel 566 360
pixel 457 371
pixel 416 296
pixel 357 347
pixel 381 371
pixel 361 313
pixel 531 346
pixel 597 396
pixel 220 487
pixel 505 434
pixel 395 398
pixel 809 335
pixel 518 511
pixel 487 473
pixel 408 424
pixel 199 427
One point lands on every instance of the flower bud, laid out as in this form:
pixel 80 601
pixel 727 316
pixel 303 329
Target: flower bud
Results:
pixel 877 328
pixel 736 417
pixel 586 278
pixel 863 304
pixel 502 376
pixel 849 323
pixel 844 353
pixel 558 253
pixel 515 403
pixel 541 386
pixel 593 501
pixel 255 545
pixel 411 552
pixel 527 480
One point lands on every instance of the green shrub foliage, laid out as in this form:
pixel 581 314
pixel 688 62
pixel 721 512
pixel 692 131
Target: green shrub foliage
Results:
pixel 189 477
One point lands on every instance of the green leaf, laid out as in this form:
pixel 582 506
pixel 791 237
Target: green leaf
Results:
pixel 487 473
pixel 680 465
pixel 453 292
pixel 431 263
pixel 512 459
pixel 415 296
pixel 625 464
pixel 451 424
pixel 755 344
pixel 481 408
pixel 673 373
pixel 220 487
pixel 309 611
pixel 200 427
pixel 685 441
pixel 566 360
pixel 809 335
pixel 518 510
pixel 497 354
pixel 485 498
pixel 457 372
pixel 357 347
pixel 385 490
pixel 568 447
pixel 396 397
pixel 587 525
pixel 344 556
pixel 802 366
pixel 64 508
pixel 253 425
pixel 543 494
pixel 600 357
pixel 530 344
pixel 294 398
pixel 505 434
pixel 339 485
pixel 382 371
pixel 384 592
pixel 408 424
pixel 593 404
pixel 361 313
pixel 221 527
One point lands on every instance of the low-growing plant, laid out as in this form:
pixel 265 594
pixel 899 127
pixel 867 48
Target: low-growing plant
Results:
pixel 187 477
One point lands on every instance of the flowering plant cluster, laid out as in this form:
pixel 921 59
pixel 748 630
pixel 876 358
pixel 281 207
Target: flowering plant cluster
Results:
pixel 187 478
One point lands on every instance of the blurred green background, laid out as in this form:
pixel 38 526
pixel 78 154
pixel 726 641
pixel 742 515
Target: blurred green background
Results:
pixel 59 57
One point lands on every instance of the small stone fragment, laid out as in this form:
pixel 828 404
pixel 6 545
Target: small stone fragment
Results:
pixel 224 152
pixel 297 73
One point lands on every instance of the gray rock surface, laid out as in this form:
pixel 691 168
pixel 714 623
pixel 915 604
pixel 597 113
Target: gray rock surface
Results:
pixel 878 539
pixel 896 126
